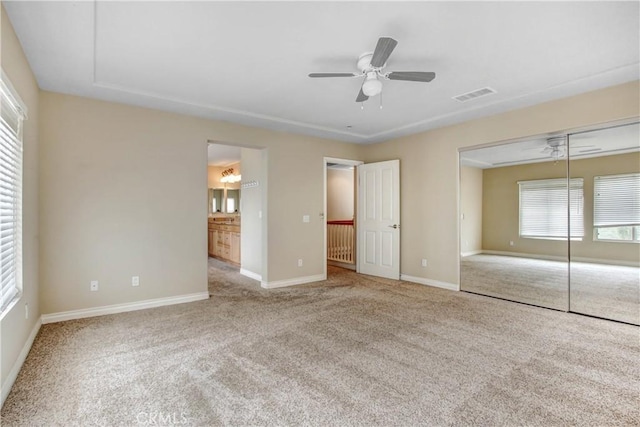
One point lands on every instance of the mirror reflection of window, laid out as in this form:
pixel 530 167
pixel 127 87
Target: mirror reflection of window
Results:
pixel 217 203
pixel 233 201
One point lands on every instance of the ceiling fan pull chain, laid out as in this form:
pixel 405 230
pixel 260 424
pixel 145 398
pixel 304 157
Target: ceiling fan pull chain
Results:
pixel 381 100
pixel 362 105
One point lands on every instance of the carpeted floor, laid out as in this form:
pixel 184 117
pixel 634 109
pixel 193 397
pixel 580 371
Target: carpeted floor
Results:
pixel 353 350
pixel 608 291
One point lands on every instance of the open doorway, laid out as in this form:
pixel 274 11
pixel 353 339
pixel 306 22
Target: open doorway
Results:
pixel 236 181
pixel 340 211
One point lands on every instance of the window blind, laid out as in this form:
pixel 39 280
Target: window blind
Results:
pixel 11 117
pixel 616 200
pixel 545 206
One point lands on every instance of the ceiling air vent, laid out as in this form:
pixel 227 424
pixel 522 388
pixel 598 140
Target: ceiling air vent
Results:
pixel 474 94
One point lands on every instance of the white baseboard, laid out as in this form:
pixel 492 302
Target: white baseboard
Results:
pixel 430 282
pixel 293 282
pixel 526 255
pixel 562 258
pixel 251 274
pixel 469 253
pixel 122 308
pixel 605 261
pixel 13 374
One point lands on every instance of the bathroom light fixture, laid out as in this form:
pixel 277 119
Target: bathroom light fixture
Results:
pixel 229 176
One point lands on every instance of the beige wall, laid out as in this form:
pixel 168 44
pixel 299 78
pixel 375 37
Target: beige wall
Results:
pixel 340 194
pixel 127 196
pixel 429 168
pixel 120 197
pixel 470 210
pixel 15 329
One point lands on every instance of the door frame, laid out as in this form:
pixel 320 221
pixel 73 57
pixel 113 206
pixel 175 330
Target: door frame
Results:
pixel 346 162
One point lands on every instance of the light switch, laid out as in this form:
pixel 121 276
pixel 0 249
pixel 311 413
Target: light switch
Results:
pixel 305 218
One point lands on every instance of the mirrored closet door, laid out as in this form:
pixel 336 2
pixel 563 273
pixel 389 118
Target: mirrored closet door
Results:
pixel 514 222
pixel 604 271
pixel 555 222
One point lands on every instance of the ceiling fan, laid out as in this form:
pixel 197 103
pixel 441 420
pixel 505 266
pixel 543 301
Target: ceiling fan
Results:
pixel 371 65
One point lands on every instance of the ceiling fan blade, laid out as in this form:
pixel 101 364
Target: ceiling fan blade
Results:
pixel 412 76
pixel 361 96
pixel 333 75
pixel 383 49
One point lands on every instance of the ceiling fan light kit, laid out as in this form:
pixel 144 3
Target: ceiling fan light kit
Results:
pixel 371 86
pixel 371 64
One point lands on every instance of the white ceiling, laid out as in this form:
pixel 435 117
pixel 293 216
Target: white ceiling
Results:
pixel 247 62
pixel 222 155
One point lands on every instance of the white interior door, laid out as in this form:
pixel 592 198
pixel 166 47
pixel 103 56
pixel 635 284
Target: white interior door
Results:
pixel 379 219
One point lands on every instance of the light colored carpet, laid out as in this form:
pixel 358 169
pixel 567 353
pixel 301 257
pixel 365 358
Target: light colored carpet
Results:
pixel 353 350
pixel 608 291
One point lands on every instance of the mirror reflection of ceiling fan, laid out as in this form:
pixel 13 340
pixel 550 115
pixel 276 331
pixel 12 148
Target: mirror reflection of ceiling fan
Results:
pixel 371 65
pixel 556 147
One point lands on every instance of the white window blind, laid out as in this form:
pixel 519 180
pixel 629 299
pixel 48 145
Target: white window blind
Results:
pixel 545 208
pixel 11 117
pixel 616 200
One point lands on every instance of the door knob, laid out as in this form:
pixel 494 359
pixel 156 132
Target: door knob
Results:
pixel 394 226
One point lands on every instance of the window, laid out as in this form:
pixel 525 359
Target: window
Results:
pixel 11 117
pixel 616 207
pixel 543 208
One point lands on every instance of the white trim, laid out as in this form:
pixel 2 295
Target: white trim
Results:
pixel 606 261
pixel 7 87
pixel 348 162
pixel 122 308
pixel 15 370
pixel 526 255
pixel 251 275
pixel 355 164
pixel 469 253
pixel 561 258
pixel 430 282
pixel 294 281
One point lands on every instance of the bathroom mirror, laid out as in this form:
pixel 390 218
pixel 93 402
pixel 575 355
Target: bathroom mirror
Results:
pixel 224 200
pixel 216 199
pixel 233 201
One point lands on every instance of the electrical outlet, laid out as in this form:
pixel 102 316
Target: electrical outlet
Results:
pixel 300 263
pixel 510 242
pixel 424 262
pixel 94 285
pixel 135 281
pixel 306 218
